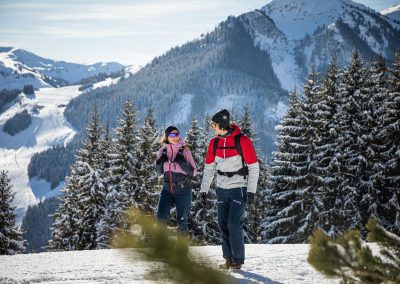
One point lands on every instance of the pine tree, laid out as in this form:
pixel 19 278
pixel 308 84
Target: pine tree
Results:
pixel 311 196
pixel 234 117
pixel 10 236
pixel 204 142
pixel 121 174
pixel 288 171
pixel 386 178
pixel 256 210
pixel 65 229
pixel 325 145
pixel 349 258
pixel 92 192
pixel 106 148
pixel 351 147
pixel 203 220
pixel 146 194
pixel 246 124
pixel 192 140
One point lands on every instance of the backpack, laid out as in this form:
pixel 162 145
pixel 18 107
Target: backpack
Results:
pixel 244 171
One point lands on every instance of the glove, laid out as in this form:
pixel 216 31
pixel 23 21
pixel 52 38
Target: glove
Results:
pixel 179 158
pixel 249 197
pixel 203 198
pixel 163 158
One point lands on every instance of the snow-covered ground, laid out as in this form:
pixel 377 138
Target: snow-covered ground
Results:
pixel 49 127
pixel 264 264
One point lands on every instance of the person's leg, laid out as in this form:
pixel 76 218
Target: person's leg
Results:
pixel 235 225
pixel 223 208
pixel 183 202
pixel 164 206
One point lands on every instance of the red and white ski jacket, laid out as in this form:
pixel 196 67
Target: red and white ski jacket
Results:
pixel 229 160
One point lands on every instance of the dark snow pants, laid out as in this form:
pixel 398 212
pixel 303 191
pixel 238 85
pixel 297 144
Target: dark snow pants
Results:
pixel 231 206
pixel 182 203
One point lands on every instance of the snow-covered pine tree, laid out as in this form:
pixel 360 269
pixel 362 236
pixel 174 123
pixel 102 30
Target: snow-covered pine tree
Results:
pixel 121 173
pixel 386 179
pixel 288 171
pixel 375 91
pixel 246 124
pixel 11 241
pixel 106 148
pixel 325 145
pixel 204 142
pixel 310 196
pixel 65 229
pixel 92 192
pixel 203 220
pixel 146 194
pixel 234 117
pixel 193 140
pixel 350 150
pixel 256 210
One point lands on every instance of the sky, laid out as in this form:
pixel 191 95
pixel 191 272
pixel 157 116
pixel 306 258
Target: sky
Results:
pixel 131 32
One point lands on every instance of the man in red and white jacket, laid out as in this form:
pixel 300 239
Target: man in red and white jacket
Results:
pixel 237 177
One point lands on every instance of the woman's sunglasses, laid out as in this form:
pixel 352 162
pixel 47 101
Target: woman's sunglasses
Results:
pixel 172 135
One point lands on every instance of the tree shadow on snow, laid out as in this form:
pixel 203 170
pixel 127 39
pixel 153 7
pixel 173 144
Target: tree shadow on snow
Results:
pixel 251 278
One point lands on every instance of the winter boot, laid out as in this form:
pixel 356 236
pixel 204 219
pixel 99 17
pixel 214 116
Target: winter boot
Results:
pixel 226 265
pixel 236 266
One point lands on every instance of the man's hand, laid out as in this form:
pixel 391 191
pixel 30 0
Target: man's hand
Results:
pixel 249 197
pixel 203 198
pixel 163 158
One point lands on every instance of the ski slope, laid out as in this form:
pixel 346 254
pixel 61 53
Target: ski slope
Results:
pixel 264 264
pixel 48 128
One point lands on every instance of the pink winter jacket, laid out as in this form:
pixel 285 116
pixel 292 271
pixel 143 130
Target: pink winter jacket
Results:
pixel 172 150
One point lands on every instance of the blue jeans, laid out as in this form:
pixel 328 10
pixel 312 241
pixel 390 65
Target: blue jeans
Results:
pixel 182 203
pixel 230 213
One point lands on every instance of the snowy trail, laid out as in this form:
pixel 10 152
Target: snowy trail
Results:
pixel 270 264
pixel 49 127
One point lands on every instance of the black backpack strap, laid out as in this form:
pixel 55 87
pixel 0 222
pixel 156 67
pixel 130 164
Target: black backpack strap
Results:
pixel 239 147
pixel 215 146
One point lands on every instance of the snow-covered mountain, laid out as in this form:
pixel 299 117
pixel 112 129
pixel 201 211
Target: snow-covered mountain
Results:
pixel 19 67
pixel 48 128
pixel 392 12
pixel 250 59
pixel 264 264
pixel 297 33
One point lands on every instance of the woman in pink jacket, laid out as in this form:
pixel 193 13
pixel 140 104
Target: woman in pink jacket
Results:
pixel 175 161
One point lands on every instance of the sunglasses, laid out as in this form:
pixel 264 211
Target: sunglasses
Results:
pixel 213 125
pixel 172 135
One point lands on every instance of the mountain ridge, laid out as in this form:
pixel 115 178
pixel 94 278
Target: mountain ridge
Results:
pixel 19 67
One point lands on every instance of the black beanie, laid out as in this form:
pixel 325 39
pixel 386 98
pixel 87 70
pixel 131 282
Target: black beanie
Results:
pixel 222 118
pixel 170 129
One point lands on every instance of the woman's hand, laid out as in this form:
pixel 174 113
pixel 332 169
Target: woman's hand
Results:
pixel 179 158
pixel 163 158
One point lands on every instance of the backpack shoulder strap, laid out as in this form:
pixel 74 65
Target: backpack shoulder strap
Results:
pixel 239 146
pixel 216 140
